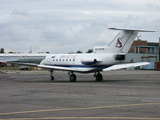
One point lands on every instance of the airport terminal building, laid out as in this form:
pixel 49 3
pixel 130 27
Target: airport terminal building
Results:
pixel 143 51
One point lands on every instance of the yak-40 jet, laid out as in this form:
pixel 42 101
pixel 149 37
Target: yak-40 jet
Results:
pixel 103 58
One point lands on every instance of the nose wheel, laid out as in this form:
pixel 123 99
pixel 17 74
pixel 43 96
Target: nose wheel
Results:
pixel 51 75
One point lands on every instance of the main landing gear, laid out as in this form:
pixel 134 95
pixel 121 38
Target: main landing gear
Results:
pixel 98 76
pixel 72 77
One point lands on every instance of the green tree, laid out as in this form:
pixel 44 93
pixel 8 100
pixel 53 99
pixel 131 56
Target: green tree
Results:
pixel 79 51
pixel 70 53
pixel 2 50
pixel 132 60
pixel 90 51
pixel 10 52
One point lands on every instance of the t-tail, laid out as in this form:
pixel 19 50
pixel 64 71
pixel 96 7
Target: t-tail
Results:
pixel 121 43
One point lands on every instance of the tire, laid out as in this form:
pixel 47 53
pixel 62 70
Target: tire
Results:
pixel 99 77
pixel 73 78
pixel 52 78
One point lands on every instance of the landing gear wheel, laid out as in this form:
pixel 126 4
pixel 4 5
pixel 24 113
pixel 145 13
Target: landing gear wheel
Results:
pixel 73 78
pixel 99 77
pixel 52 78
pixel 51 75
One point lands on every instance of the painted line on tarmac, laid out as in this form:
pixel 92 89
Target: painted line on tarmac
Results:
pixel 63 118
pixel 63 109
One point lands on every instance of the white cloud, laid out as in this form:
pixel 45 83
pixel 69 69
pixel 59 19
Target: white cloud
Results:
pixel 68 25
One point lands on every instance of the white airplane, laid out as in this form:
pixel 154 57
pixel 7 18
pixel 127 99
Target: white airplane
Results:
pixel 25 58
pixel 103 58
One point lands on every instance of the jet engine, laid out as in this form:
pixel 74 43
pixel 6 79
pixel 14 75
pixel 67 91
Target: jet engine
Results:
pixel 89 61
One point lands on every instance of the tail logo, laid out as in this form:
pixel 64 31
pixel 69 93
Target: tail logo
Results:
pixel 119 43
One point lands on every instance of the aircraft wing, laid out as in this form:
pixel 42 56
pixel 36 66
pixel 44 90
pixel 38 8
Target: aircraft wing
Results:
pixel 74 69
pixel 82 70
pixel 121 66
pixel 5 61
pixel 47 67
pixel 26 64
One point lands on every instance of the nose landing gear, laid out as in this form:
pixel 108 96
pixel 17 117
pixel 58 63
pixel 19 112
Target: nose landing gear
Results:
pixel 51 75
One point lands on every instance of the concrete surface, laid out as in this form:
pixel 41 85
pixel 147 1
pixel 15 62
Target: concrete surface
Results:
pixel 124 94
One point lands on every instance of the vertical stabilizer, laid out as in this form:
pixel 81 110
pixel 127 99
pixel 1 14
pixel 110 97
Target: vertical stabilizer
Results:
pixel 123 41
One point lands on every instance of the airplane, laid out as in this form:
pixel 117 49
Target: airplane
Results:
pixel 103 58
pixel 25 58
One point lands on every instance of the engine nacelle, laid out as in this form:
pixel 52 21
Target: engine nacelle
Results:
pixel 120 57
pixel 89 61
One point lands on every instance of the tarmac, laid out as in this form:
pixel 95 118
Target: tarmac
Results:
pixel 124 94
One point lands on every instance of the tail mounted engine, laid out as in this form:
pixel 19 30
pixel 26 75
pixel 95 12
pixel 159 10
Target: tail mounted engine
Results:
pixel 88 61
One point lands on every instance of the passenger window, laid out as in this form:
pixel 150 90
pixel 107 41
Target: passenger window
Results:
pixel 63 59
pixel 59 59
pixel 56 59
pixel 66 59
pixel 73 59
pixel 53 59
pixel 70 60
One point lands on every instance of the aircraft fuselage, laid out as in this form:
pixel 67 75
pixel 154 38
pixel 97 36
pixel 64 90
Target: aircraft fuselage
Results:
pixel 80 60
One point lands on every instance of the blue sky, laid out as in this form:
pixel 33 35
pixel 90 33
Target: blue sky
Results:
pixel 61 26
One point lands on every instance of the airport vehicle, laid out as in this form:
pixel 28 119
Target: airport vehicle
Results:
pixel 103 58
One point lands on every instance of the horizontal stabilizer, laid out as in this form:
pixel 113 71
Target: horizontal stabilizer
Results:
pixel 138 30
pixel 26 64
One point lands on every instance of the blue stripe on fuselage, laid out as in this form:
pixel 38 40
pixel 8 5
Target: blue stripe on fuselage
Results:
pixel 81 66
